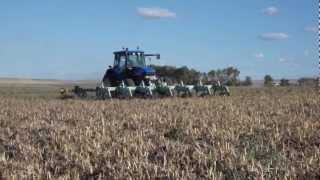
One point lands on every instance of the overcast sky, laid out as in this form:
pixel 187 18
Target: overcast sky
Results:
pixel 74 39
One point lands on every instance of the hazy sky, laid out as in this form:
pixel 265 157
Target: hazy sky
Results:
pixel 70 39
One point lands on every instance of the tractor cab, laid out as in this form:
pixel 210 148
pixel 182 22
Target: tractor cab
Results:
pixel 128 59
pixel 129 67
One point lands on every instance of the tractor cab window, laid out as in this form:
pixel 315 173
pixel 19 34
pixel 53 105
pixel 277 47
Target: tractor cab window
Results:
pixel 120 61
pixel 136 59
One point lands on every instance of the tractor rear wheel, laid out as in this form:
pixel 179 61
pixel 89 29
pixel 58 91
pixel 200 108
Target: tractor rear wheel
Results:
pixel 129 82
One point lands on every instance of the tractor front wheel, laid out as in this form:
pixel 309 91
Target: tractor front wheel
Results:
pixel 106 82
pixel 129 82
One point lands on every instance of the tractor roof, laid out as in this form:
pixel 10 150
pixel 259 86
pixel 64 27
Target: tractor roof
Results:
pixel 128 51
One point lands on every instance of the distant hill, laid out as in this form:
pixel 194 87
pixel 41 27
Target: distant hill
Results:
pixel 22 81
pixel 43 81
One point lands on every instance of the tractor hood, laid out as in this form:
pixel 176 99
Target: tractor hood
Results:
pixel 143 71
pixel 149 70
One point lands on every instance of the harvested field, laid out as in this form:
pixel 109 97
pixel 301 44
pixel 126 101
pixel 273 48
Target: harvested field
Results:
pixel 254 134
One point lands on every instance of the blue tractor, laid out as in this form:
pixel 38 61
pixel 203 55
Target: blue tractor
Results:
pixel 130 68
pixel 130 77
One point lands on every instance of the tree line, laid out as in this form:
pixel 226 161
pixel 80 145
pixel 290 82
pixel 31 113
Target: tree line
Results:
pixel 269 81
pixel 227 76
pixel 172 74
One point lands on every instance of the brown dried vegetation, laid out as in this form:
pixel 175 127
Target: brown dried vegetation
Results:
pixel 254 134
